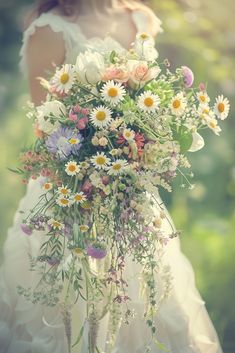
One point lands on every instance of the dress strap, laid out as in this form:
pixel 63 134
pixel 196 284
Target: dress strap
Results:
pixel 57 24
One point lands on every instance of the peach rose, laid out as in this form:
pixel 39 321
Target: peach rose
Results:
pixel 140 72
pixel 38 133
pixel 116 73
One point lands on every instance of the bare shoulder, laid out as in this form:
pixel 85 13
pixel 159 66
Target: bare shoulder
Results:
pixel 46 42
pixel 45 50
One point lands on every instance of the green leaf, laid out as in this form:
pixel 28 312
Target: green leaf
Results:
pixel 75 232
pixel 17 171
pixel 184 138
pixel 112 56
pixel 79 336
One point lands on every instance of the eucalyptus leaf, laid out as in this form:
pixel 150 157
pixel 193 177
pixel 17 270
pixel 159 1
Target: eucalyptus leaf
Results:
pixel 79 336
pixel 184 138
pixel 75 232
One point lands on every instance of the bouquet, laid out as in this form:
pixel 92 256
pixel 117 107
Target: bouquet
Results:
pixel 113 130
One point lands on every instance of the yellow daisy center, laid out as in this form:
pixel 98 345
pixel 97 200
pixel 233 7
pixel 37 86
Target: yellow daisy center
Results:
pixel 64 78
pixel 64 191
pixel 127 134
pixel 176 103
pixel 73 141
pixel 148 102
pixel 117 166
pixel 206 111
pixel 78 197
pixel 112 92
pixel 47 186
pixel 213 124
pixel 144 36
pixel 56 224
pixel 72 168
pixel 202 98
pixel 83 228
pixel 64 202
pixel 221 107
pixel 100 115
pixel 78 251
pixel 100 160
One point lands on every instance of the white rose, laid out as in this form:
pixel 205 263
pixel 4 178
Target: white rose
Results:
pixel 198 142
pixel 90 67
pixel 44 111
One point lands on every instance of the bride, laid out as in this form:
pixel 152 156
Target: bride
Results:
pixel 58 31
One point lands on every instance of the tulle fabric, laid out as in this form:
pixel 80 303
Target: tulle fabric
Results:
pixel 183 324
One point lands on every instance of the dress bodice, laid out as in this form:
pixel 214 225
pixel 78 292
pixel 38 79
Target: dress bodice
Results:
pixel 75 40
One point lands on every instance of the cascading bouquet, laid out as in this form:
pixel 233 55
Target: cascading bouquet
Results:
pixel 113 130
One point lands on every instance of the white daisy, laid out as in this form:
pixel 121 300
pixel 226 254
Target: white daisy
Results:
pixel 148 102
pixel 84 165
pixel 79 197
pixel 222 107
pixel 101 116
pixel 178 104
pixel 112 92
pixel 117 167
pixel 83 228
pixel 213 125
pixel 144 37
pixel 63 202
pixel 115 152
pixel 64 78
pixel 100 161
pixel 55 224
pixel 128 134
pixel 71 168
pixel 47 186
pixel 205 112
pixel 203 98
pixel 64 190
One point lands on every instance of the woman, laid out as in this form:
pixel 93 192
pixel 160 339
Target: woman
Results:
pixel 58 31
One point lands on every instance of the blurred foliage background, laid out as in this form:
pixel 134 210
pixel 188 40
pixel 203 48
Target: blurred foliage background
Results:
pixel 201 35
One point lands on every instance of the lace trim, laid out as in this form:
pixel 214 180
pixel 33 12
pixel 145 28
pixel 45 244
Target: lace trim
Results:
pixel 57 24
pixel 71 32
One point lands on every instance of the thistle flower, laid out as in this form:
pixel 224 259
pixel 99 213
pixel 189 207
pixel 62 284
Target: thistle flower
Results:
pixel 188 76
pixel 96 251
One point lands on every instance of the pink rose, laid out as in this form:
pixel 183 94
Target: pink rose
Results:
pixel 140 73
pixel 116 73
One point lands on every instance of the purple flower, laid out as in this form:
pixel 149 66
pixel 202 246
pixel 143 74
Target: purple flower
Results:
pixel 63 142
pixel 96 252
pixel 188 76
pixel 26 229
pixel 52 261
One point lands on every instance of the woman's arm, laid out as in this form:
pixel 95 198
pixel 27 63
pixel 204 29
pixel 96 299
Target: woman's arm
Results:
pixel 45 49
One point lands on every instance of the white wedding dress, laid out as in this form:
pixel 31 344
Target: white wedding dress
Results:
pixel 183 324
